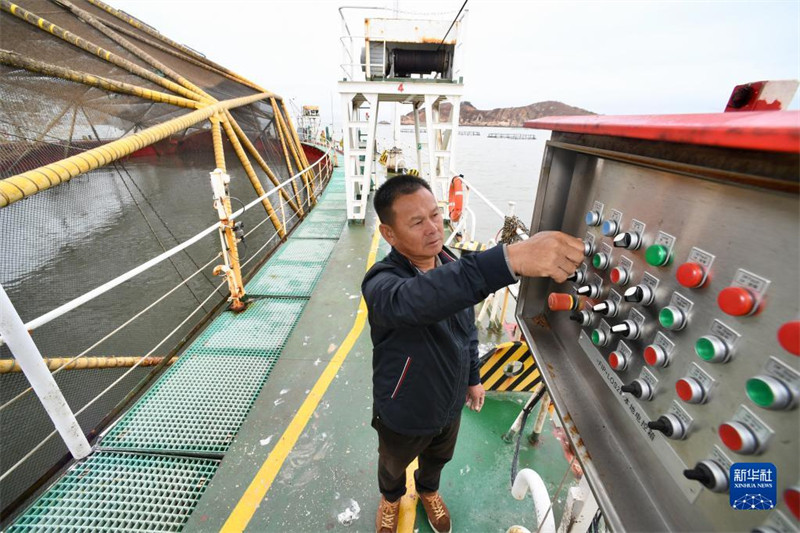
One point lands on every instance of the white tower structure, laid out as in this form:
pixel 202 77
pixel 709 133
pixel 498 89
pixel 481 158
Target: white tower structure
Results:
pixel 410 61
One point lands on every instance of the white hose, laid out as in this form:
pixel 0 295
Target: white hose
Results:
pixel 529 479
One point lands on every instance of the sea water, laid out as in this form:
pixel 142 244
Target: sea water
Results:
pixel 503 170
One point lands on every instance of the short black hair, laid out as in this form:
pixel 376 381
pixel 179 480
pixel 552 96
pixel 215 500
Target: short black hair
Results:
pixel 394 187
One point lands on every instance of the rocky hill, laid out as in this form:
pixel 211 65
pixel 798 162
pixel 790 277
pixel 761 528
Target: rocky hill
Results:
pixel 503 116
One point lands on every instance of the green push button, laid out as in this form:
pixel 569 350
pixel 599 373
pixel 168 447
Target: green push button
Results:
pixel 597 260
pixel 666 317
pixel 704 348
pixel 657 255
pixel 760 392
pixel 596 337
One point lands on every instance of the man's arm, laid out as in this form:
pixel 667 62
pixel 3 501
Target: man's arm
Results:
pixel 402 302
pixel 396 302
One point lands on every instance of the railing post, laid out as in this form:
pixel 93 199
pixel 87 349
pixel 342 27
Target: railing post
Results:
pixel 227 233
pixel 30 360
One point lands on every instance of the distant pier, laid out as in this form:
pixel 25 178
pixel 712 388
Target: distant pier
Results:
pixel 511 136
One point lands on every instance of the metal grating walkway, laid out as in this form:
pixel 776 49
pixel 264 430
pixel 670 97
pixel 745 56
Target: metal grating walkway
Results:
pixel 265 326
pixel 121 492
pixel 198 405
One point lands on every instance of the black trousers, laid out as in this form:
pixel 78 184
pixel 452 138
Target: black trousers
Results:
pixel 396 451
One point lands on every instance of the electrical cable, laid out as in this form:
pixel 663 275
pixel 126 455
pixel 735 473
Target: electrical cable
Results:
pixel 525 412
pixel 452 24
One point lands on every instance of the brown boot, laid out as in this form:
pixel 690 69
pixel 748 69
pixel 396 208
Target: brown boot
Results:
pixel 388 516
pixel 438 515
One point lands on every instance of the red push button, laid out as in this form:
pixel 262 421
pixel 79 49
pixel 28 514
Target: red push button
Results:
pixel 736 301
pixel 789 337
pixel 738 438
pixel 690 390
pixel 617 361
pixel 691 275
pixel 559 301
pixel 619 276
pixel 792 498
pixel 655 355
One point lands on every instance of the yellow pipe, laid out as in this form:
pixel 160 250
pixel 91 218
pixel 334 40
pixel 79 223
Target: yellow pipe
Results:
pixel 282 138
pixel 15 60
pixel 29 183
pixel 282 128
pixel 46 25
pixel 260 160
pixel 9 366
pixel 248 168
pixel 293 133
pixel 216 137
pixel 135 50
pixel 173 52
pixel 150 31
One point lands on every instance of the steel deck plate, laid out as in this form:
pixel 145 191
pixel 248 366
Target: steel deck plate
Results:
pixel 121 492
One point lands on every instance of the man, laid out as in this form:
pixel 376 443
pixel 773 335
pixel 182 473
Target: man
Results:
pixel 425 344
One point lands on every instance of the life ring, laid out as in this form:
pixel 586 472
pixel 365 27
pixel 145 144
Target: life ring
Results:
pixel 455 198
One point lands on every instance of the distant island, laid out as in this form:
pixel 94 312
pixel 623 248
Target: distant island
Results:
pixel 512 117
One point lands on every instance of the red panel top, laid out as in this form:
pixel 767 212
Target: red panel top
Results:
pixel 771 131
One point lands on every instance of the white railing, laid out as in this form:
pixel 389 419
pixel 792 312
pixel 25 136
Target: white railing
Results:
pixel 321 170
pixel 496 304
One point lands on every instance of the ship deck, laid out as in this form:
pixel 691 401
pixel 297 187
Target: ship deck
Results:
pixel 298 454
pixel 307 444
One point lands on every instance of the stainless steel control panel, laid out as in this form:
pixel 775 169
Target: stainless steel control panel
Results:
pixel 682 357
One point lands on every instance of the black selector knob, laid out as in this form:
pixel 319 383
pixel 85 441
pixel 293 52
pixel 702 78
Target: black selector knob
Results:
pixel 639 388
pixel 578 276
pixel 662 425
pixel 670 425
pixel 711 475
pixel 639 294
pixel 582 317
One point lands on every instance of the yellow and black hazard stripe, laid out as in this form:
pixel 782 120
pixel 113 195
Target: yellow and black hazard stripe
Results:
pixel 494 363
pixel 412 172
pixel 470 246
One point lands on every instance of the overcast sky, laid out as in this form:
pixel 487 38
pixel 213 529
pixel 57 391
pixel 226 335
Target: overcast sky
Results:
pixel 608 57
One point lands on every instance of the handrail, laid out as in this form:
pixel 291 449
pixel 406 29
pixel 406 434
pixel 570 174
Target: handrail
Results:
pixel 494 208
pixel 102 289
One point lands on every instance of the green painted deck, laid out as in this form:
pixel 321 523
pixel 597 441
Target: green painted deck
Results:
pixel 220 411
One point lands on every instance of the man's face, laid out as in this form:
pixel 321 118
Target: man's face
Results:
pixel 417 231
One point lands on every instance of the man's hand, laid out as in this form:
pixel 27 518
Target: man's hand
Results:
pixel 547 254
pixel 475 395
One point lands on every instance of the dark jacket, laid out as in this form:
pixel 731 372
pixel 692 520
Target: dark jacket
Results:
pixel 425 344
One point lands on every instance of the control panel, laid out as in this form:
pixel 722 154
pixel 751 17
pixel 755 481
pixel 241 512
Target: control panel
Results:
pixel 675 348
